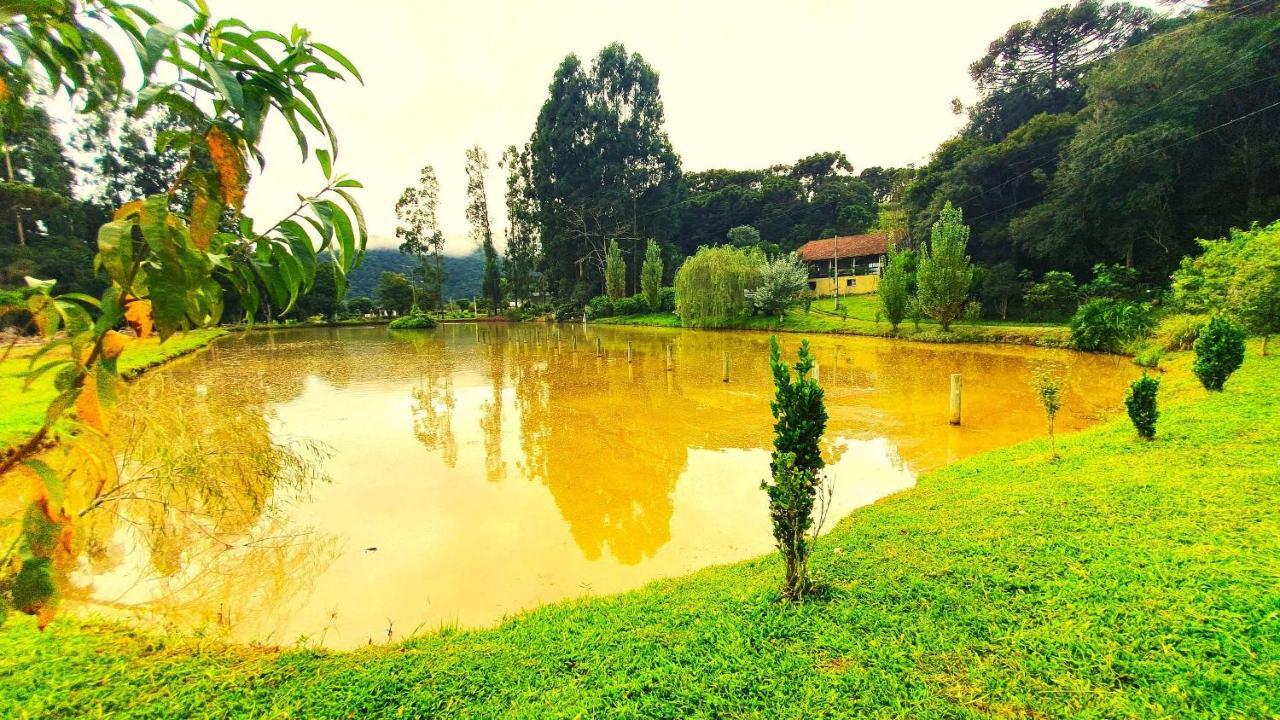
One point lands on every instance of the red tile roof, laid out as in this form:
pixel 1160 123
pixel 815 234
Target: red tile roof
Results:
pixel 848 246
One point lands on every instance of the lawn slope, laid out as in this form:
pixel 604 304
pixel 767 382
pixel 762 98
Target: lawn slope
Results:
pixel 1130 579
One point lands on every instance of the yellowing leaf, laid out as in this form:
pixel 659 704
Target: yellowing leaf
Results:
pixel 230 166
pixel 114 343
pixel 130 208
pixel 138 314
pixel 206 210
pixel 88 407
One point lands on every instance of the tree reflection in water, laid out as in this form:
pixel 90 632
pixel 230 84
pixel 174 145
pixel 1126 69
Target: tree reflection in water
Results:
pixel 192 525
pixel 481 470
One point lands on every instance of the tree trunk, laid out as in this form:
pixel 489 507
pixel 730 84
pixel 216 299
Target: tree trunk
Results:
pixel 8 166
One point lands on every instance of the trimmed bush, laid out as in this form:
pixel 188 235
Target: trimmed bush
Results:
pixel 1108 325
pixel 1140 401
pixel 1219 352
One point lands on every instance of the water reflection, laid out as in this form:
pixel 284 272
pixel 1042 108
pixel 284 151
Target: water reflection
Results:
pixel 480 470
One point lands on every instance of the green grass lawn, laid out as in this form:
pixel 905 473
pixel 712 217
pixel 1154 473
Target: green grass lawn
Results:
pixel 24 409
pixel 1129 579
pixel 860 319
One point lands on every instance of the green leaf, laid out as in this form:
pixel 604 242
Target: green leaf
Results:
pixel 340 59
pixel 226 84
pixel 115 250
pixel 325 163
pixel 349 183
pixel 52 483
pixel 33 587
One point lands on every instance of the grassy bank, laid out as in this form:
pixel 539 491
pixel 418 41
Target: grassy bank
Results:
pixel 24 409
pixel 859 318
pixel 1129 579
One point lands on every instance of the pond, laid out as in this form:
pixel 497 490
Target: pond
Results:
pixel 353 485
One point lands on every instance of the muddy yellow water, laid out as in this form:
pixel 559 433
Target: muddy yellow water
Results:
pixel 346 486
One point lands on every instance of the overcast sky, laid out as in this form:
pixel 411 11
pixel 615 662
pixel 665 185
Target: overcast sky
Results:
pixel 745 84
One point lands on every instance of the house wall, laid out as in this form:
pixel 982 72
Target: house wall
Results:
pixel 849 285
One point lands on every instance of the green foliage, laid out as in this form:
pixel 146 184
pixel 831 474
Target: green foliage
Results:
pixel 360 305
pixel 481 230
pixel 944 275
pixel 1000 284
pixel 1114 281
pixel 1219 352
pixel 782 282
pixel 1179 332
pixel 800 418
pixel 1140 401
pixel 415 320
pixel 1239 275
pixel 1047 382
pixel 973 311
pixel 463 275
pixel 895 287
pixel 615 272
pixel 1107 325
pixel 601 167
pixel 394 293
pixel 711 287
pixel 1055 297
pixel 522 223
pixel 1148 356
pixel 651 276
pixel 418 228
pixel 785 205
pixel 168 256
pixel 743 236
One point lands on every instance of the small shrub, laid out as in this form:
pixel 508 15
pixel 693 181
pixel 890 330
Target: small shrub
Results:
pixel 601 306
pixel 1108 325
pixel 973 311
pixel 417 320
pixel 1054 297
pixel 667 299
pixel 634 305
pixel 1179 332
pixel 796 464
pixel 1148 356
pixel 1140 401
pixel 1219 352
pixel 915 312
pixel 1047 381
pixel 514 314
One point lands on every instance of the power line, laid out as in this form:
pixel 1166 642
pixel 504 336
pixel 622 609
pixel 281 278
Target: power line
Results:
pixel 1045 160
pixel 1158 150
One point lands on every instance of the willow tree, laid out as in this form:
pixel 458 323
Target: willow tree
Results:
pixel 481 230
pixel 712 286
pixel 166 256
pixel 418 228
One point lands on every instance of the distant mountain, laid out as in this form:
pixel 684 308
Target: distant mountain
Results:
pixel 462 274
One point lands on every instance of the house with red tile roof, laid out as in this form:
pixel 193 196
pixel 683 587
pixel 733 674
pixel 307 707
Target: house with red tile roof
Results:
pixel 850 264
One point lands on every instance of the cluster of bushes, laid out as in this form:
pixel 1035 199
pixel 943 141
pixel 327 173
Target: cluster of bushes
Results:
pixel 603 306
pixel 415 320
pixel 13 312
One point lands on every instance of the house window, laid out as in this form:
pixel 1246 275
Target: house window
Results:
pixel 873 268
pixel 849 282
pixel 813 284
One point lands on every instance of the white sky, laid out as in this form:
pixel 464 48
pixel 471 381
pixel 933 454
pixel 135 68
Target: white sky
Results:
pixel 746 84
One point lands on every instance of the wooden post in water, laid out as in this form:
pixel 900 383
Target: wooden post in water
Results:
pixel 726 366
pixel 573 340
pixel 599 347
pixel 668 357
pixel 957 383
pixel 630 351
